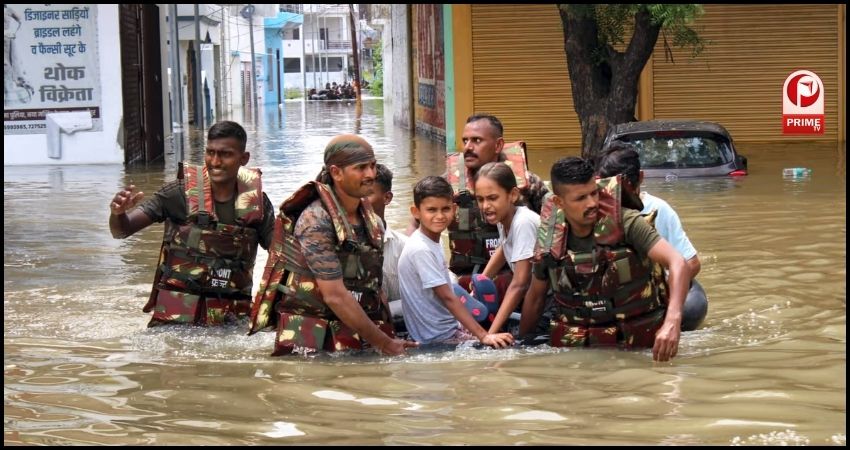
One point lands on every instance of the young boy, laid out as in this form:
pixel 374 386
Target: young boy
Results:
pixel 432 311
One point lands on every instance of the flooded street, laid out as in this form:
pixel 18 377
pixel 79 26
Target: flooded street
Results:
pixel 768 366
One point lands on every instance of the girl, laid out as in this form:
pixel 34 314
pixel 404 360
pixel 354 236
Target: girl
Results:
pixel 497 194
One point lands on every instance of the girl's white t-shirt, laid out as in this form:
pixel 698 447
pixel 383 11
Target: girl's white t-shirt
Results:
pixel 519 243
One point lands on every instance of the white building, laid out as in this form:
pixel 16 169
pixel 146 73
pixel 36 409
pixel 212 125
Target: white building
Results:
pixel 324 43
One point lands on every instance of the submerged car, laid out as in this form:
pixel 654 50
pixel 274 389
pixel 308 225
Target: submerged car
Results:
pixel 683 148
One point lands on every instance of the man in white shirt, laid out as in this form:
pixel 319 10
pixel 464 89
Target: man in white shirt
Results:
pixel 621 158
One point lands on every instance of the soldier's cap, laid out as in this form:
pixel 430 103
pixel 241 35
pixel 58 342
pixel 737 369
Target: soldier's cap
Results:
pixel 347 149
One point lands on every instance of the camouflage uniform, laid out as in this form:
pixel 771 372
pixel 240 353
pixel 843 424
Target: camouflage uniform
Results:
pixel 314 240
pixel 206 267
pixel 609 294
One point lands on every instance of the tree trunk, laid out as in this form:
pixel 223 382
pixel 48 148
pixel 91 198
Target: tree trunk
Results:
pixel 604 89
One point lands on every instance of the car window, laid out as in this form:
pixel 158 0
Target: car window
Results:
pixel 680 151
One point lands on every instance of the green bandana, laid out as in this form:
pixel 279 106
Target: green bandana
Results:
pixel 348 149
pixel 345 150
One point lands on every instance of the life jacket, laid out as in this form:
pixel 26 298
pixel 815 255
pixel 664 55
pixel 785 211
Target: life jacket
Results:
pixel 608 296
pixel 206 268
pixel 472 240
pixel 289 298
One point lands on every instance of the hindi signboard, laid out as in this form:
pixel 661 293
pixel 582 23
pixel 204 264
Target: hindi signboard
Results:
pixel 50 65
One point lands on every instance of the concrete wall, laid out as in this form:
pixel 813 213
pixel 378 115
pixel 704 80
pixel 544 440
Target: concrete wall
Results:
pixel 429 71
pixel 387 55
pixel 271 48
pixel 84 147
pixel 165 62
pixel 235 28
pixel 239 52
pixel 338 26
pixel 399 54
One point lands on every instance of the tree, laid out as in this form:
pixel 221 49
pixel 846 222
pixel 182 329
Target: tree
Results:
pixel 377 83
pixel 604 80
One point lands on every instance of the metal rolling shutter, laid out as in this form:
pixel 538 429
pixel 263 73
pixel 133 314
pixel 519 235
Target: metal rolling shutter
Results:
pixel 738 79
pixel 520 75
pixel 131 82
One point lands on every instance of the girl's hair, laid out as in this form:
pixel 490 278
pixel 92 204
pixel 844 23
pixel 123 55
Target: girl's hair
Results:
pixel 501 173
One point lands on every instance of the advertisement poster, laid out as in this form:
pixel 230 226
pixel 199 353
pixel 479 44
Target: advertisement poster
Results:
pixel 430 78
pixel 50 65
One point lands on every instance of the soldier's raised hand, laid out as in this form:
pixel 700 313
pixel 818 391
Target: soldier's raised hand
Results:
pixel 125 200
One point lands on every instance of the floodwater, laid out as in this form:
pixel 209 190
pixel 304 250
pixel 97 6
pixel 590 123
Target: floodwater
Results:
pixel 80 367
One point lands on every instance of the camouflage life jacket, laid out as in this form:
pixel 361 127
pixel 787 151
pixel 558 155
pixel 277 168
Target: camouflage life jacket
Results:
pixel 206 268
pixel 608 296
pixel 289 297
pixel 472 239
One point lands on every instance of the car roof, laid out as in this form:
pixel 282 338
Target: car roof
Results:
pixel 667 125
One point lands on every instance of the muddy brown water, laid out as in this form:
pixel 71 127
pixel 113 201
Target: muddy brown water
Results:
pixel 767 367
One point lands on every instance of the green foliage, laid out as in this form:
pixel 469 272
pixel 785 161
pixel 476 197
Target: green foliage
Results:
pixel 611 21
pixel 291 93
pixel 376 84
pixel 677 20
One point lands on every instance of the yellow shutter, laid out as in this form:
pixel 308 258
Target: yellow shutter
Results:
pixel 737 81
pixel 520 75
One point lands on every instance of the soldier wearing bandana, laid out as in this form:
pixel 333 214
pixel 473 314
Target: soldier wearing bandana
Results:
pixel 321 288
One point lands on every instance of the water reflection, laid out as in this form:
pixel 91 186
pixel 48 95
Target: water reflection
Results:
pixel 80 366
pixel 57 393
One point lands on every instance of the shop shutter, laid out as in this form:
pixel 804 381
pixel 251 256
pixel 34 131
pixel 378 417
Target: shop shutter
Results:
pixel 520 75
pixel 737 81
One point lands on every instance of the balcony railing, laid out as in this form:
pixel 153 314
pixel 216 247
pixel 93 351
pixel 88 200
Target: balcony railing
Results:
pixel 328 9
pixel 323 47
pixel 297 9
pixel 338 45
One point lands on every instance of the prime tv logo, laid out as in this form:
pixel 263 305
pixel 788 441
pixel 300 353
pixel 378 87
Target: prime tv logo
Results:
pixel 802 104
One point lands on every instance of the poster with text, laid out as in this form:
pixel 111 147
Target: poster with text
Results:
pixel 50 65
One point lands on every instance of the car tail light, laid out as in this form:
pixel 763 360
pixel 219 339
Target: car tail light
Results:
pixel 737 173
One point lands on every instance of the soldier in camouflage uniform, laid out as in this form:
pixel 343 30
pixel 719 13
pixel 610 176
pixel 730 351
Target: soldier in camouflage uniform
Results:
pixel 321 288
pixel 604 264
pixel 214 218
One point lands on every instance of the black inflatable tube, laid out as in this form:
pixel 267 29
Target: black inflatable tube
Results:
pixel 693 313
pixel 695 307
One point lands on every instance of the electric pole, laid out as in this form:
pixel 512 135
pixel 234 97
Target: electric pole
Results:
pixel 248 13
pixel 354 50
pixel 199 97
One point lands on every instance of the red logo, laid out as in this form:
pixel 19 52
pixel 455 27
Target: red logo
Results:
pixel 803 90
pixel 803 104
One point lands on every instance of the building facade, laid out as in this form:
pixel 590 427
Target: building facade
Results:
pixel 519 73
